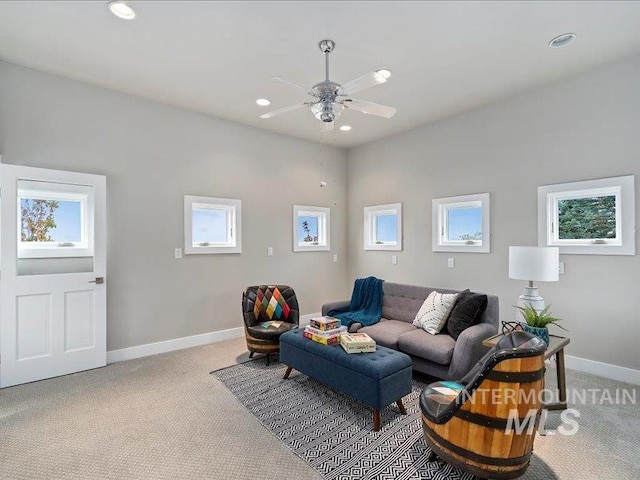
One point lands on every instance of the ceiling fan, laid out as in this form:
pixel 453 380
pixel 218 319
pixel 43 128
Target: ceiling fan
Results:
pixel 332 98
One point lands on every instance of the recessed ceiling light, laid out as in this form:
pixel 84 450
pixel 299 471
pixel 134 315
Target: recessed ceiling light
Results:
pixel 562 40
pixel 385 73
pixel 122 10
pixel 345 128
pixel 263 102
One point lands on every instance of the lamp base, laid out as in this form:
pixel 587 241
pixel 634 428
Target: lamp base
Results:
pixel 530 297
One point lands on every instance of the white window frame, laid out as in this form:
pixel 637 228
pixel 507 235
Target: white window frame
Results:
pixel 30 189
pixel 324 233
pixel 623 188
pixel 439 224
pixel 371 215
pixel 233 209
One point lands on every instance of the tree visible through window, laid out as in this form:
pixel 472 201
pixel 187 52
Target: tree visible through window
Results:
pixel 587 218
pixel 592 217
pixel 37 219
pixel 46 220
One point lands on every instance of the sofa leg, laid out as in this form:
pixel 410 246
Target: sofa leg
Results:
pixel 432 457
pixel 376 420
pixel 287 373
pixel 403 410
pixel 268 358
pixel 251 354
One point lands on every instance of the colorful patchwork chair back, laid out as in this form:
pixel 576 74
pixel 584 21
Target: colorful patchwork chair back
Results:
pixel 268 312
pixel 486 423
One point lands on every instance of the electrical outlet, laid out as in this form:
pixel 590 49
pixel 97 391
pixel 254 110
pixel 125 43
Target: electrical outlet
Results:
pixel 451 262
pixel 394 259
pixel 269 251
pixel 561 268
pixel 177 253
pixel 335 258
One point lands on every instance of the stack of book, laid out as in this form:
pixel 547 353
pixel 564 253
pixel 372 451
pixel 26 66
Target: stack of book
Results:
pixel 357 343
pixel 325 330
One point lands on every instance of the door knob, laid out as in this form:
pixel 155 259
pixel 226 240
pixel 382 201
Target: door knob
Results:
pixel 98 280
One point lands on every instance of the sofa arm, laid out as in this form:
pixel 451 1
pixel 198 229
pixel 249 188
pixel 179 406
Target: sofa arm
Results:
pixel 334 305
pixel 469 349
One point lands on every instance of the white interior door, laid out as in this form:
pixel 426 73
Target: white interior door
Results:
pixel 52 273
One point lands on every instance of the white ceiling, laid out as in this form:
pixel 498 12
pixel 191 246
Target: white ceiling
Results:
pixel 218 57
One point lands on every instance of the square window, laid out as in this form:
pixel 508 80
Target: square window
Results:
pixel 212 225
pixel 383 227
pixel 54 220
pixel 590 217
pixel 461 224
pixel 310 228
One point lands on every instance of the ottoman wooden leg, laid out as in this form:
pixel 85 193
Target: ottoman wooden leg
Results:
pixel 403 410
pixel 287 373
pixel 376 420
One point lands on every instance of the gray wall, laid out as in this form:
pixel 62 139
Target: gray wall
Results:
pixel 584 128
pixel 152 155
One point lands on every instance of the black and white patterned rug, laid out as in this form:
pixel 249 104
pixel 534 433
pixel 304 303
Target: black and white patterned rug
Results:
pixel 333 432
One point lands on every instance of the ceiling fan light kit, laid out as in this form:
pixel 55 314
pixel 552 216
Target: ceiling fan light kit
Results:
pixel 331 97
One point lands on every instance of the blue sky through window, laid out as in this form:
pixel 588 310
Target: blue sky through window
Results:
pixel 312 224
pixel 209 226
pixel 67 218
pixel 464 223
pixel 386 228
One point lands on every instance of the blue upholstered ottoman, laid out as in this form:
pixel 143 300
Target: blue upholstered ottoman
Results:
pixel 377 379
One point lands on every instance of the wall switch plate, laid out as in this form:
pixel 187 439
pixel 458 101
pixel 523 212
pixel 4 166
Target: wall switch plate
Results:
pixel 177 253
pixel 335 258
pixel 561 268
pixel 394 259
pixel 451 262
pixel 269 251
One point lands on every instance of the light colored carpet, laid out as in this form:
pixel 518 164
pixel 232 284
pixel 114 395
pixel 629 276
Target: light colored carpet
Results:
pixel 160 417
pixel 165 417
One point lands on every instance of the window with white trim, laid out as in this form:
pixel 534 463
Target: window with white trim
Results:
pixel 461 224
pixel 310 228
pixel 212 225
pixel 383 227
pixel 54 220
pixel 590 217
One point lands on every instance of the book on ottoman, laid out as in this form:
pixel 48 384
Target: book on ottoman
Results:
pixel 357 343
pixel 334 332
pixel 324 323
pixel 325 340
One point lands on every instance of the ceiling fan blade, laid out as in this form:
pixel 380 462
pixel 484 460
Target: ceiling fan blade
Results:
pixel 365 81
pixel 290 108
pixel 293 83
pixel 369 107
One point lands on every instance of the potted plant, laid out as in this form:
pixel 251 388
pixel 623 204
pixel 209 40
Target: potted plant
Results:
pixel 536 322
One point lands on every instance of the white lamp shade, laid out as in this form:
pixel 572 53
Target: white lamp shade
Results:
pixel 540 264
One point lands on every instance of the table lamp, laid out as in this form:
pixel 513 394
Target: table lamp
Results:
pixel 535 264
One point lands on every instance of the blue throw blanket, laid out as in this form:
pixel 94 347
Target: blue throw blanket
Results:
pixel 366 303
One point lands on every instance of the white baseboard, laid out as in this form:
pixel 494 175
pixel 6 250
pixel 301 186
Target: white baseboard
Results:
pixel 614 372
pixel 171 345
pixel 185 342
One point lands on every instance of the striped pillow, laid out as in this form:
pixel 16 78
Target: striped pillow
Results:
pixel 434 312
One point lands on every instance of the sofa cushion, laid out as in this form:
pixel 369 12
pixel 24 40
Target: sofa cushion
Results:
pixel 386 332
pixel 467 311
pixel 437 348
pixel 434 312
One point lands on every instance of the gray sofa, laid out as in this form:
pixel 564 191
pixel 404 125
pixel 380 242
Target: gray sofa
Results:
pixel 438 355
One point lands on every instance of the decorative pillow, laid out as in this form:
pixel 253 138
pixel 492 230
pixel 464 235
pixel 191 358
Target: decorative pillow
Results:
pixel 434 312
pixel 467 311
